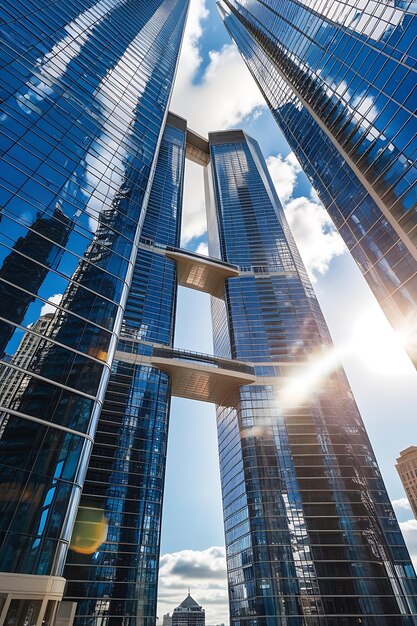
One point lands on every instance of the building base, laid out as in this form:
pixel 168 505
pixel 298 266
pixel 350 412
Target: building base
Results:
pixel 27 599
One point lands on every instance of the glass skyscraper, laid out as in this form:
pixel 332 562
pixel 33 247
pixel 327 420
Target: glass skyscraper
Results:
pixel 85 87
pixel 91 200
pixel 311 537
pixel 118 582
pixel 340 79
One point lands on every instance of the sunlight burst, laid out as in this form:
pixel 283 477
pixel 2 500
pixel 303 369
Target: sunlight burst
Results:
pixel 373 342
pixel 379 347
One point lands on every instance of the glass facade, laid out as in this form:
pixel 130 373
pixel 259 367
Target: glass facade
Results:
pixel 311 536
pixel 116 584
pixel 340 79
pixel 91 189
pixel 80 126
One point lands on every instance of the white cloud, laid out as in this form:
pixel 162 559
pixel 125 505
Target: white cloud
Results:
pixel 402 503
pixel 202 249
pixel 190 59
pixel 314 233
pixel 204 572
pixel 313 230
pixel 314 195
pixel 284 173
pixel 48 306
pixel 194 222
pixel 199 103
pixel 226 93
pixel 409 530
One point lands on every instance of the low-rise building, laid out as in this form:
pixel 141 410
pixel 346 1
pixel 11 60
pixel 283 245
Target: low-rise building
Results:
pixel 407 469
pixel 189 613
pixel 167 620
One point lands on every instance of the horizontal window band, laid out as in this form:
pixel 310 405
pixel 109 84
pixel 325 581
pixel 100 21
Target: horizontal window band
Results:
pixel 53 341
pixel 47 424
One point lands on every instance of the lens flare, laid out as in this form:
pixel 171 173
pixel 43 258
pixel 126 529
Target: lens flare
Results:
pixel 373 342
pixel 309 377
pixel 90 530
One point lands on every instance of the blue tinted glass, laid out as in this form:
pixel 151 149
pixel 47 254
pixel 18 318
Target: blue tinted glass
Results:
pixel 340 80
pixel 126 473
pixel 304 502
pixel 80 125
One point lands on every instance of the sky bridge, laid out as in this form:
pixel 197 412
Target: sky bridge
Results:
pixel 196 376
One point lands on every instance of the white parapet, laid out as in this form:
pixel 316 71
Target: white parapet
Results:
pixel 30 599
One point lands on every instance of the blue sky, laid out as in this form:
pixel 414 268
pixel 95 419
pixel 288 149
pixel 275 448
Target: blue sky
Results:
pixel 214 91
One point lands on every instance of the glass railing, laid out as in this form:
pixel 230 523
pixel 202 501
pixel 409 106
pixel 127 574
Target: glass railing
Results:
pixel 153 244
pixel 243 269
pixel 203 257
pixel 203 359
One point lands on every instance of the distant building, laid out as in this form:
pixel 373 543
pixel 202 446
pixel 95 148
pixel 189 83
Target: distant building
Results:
pixel 188 613
pixel 407 470
pixel 167 620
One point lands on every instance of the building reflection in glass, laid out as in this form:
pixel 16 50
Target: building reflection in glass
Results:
pixel 79 134
pixel 26 267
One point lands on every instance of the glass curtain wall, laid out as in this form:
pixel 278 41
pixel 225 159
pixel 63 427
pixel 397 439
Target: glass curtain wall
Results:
pixel 340 79
pixel 311 536
pixel 85 87
pixel 116 583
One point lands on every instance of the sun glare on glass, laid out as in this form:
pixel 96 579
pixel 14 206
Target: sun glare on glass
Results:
pixel 373 343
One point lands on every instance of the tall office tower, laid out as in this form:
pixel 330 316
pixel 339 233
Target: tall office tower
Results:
pixel 189 613
pixel 85 87
pixel 407 469
pixel 118 580
pixel 340 79
pixel 311 536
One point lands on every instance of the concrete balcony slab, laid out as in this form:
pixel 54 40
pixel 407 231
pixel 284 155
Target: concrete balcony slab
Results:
pixel 203 377
pixel 201 273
